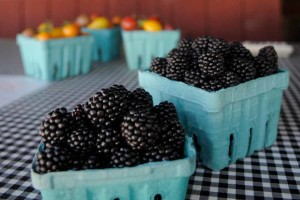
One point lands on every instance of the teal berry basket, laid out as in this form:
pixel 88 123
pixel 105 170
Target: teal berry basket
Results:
pixel 108 43
pixel 56 59
pixel 228 124
pixel 142 46
pixel 165 180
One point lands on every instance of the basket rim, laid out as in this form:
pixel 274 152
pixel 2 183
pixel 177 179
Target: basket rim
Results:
pixel 149 171
pixel 216 100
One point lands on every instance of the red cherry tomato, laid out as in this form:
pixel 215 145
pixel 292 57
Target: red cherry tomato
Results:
pixel 129 24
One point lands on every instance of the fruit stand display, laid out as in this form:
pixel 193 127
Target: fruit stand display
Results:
pixel 54 53
pixel 228 99
pixel 83 155
pixel 107 35
pixel 145 39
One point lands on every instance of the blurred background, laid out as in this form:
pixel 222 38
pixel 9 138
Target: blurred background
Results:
pixel 230 19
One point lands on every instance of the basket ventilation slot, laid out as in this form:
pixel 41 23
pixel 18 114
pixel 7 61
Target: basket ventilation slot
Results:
pixel 231 142
pixel 250 140
pixel 158 197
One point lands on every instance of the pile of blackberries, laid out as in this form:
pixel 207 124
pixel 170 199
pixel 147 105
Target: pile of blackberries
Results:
pixel 212 64
pixel 114 128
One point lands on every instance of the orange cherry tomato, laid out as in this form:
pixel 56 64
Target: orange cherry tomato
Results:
pixel 116 20
pixel 70 30
pixel 43 36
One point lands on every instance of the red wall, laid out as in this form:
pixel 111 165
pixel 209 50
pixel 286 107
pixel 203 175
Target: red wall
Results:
pixel 229 19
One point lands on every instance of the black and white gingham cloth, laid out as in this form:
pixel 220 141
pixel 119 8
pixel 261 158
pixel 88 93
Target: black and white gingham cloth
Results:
pixel 270 173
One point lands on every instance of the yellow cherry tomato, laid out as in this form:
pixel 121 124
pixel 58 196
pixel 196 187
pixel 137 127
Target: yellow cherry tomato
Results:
pixel 152 25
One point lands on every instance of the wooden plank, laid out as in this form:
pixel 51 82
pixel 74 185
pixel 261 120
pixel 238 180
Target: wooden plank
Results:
pixel 148 8
pixel 61 11
pixel 262 20
pixel 11 17
pixel 99 7
pixel 224 19
pixel 122 8
pixel 190 17
pixel 35 12
pixel 166 10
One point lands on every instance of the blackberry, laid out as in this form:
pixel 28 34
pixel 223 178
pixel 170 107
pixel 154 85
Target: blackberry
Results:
pixel 211 64
pixel 172 134
pixel 200 44
pixel 243 68
pixel 219 46
pixel 270 54
pixel 140 129
pixel 185 45
pixel 176 67
pixel 80 118
pixel 141 98
pixel 107 140
pixel 55 128
pixel 159 65
pixel 237 50
pixel 124 157
pixel 95 161
pixel 165 111
pixel 264 67
pixel 230 79
pixel 77 162
pixel 193 77
pixel 211 84
pixel 193 61
pixel 179 53
pixel 107 106
pixel 160 153
pixel 53 159
pixel 82 140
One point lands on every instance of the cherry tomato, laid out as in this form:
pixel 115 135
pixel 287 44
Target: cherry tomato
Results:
pixel 129 24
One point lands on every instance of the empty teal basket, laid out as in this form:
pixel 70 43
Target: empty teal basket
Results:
pixel 56 58
pixel 230 123
pixel 108 43
pixel 142 46
pixel 166 180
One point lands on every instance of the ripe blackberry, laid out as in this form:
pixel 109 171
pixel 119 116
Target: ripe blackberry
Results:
pixel 124 157
pixel 82 140
pixel 230 79
pixel 95 161
pixel 140 129
pixel 185 45
pixel 200 44
pixel 270 54
pixel 193 77
pixel 107 106
pixel 77 162
pixel 107 140
pixel 140 98
pixel 211 84
pixel 219 46
pixel 176 67
pixel 165 111
pixel 172 134
pixel 55 128
pixel 160 153
pixel 53 159
pixel 211 64
pixel 176 52
pixel 264 67
pixel 159 65
pixel 80 118
pixel 243 68
pixel 237 50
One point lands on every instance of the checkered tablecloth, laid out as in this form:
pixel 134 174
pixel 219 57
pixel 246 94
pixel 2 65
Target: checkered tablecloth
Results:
pixel 270 173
